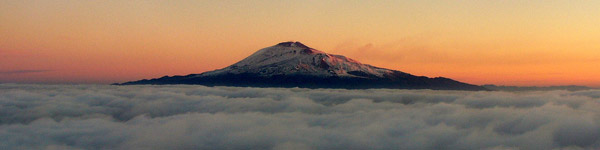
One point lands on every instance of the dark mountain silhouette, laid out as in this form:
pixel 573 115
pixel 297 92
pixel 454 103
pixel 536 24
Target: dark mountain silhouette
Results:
pixel 293 64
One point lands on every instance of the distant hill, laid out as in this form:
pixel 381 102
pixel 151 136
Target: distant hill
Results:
pixel 293 64
pixel 536 88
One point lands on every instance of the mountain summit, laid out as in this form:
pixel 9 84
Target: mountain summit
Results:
pixel 295 58
pixel 293 64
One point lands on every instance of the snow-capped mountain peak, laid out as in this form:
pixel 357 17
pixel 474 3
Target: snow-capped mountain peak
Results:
pixel 295 58
pixel 293 64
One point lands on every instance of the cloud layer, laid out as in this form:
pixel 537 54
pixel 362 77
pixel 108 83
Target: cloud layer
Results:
pixel 198 117
pixel 22 71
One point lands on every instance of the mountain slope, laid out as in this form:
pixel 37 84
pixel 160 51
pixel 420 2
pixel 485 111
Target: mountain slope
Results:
pixel 293 64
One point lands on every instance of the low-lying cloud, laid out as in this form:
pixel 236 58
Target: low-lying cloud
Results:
pixel 10 72
pixel 199 117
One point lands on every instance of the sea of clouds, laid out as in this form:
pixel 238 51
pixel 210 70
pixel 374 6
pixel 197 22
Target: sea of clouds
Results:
pixel 199 117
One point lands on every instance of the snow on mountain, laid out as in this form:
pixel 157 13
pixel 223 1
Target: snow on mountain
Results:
pixel 295 58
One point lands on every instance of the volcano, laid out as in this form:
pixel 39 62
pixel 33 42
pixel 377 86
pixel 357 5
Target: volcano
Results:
pixel 293 64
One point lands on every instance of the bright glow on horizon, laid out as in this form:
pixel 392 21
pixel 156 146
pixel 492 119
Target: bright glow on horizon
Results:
pixel 479 42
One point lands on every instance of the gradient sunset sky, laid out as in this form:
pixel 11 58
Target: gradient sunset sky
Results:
pixel 501 42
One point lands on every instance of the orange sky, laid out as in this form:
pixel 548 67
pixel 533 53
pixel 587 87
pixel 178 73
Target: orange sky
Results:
pixel 479 42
